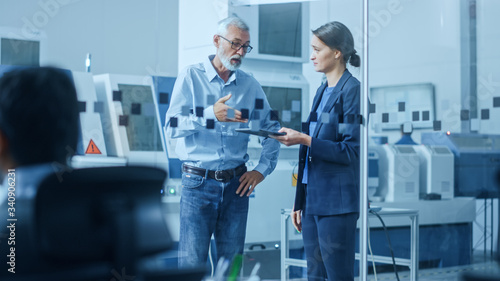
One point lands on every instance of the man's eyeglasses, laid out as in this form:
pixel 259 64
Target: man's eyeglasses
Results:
pixel 237 46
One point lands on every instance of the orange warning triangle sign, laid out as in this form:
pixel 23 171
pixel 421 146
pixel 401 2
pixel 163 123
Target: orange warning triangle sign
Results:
pixel 92 148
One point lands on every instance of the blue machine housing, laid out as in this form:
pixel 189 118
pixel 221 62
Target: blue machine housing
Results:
pixel 477 160
pixel 163 89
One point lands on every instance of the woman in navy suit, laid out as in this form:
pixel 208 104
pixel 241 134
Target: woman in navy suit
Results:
pixel 327 197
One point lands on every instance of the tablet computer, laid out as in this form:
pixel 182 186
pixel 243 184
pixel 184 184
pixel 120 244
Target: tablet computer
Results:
pixel 261 132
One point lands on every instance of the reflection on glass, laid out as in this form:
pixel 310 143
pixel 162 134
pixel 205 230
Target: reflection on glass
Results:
pixel 454 52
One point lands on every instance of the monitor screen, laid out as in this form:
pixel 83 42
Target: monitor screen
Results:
pixel 280 29
pixel 142 128
pixel 20 52
pixel 287 101
pixel 278 32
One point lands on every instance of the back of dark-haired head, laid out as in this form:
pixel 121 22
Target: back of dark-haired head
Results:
pixel 39 115
pixel 337 36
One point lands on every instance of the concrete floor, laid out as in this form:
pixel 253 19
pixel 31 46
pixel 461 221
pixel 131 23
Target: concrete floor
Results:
pixel 443 274
pixel 481 265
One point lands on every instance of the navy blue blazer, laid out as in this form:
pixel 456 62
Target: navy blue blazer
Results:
pixel 333 168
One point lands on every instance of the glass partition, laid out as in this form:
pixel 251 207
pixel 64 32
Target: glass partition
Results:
pixel 447 169
pixel 430 148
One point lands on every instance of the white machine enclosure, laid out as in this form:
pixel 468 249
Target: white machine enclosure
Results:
pixel 90 119
pixel 398 172
pixel 119 125
pixel 92 136
pixel 436 170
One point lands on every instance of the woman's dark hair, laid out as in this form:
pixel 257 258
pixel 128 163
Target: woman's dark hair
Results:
pixel 337 36
pixel 39 115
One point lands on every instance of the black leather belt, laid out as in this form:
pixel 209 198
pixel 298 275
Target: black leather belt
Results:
pixel 219 175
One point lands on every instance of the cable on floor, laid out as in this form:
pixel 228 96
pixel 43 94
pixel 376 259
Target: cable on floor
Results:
pixel 371 253
pixel 388 241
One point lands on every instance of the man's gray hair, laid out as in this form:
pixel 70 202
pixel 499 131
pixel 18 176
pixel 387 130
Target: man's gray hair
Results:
pixel 231 21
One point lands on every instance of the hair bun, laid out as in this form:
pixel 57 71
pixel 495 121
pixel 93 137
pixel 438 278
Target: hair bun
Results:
pixel 355 60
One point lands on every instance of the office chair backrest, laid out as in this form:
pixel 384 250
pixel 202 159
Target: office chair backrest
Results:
pixel 101 214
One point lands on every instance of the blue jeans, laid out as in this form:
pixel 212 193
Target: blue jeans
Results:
pixel 210 207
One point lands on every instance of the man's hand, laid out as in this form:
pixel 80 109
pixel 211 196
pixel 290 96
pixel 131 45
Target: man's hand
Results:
pixel 248 181
pixel 221 109
pixel 297 219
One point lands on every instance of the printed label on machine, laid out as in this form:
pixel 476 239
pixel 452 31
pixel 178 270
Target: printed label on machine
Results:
pixel 92 148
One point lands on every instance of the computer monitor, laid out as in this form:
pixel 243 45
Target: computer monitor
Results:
pixel 278 32
pixel 287 102
pixel 22 47
pixel 288 94
pixel 131 119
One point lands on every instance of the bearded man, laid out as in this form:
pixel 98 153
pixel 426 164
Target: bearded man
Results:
pixel 209 101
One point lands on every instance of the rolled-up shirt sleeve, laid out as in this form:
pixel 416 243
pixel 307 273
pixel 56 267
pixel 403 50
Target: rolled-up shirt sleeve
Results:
pixel 182 97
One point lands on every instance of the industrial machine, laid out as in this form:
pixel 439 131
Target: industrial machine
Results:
pixel 130 119
pixel 91 150
pixel 436 170
pixel 477 158
pixel 163 87
pixel 399 167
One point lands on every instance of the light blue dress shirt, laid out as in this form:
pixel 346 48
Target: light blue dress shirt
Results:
pixel 219 148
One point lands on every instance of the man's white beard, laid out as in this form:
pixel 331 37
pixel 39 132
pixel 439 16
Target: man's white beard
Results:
pixel 226 61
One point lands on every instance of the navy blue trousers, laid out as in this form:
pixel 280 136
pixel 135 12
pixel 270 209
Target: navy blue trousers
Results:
pixel 329 243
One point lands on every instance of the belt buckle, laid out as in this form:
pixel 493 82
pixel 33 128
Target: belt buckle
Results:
pixel 219 176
